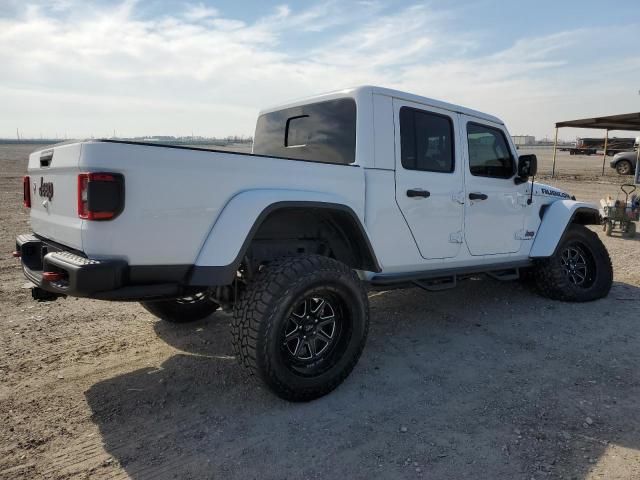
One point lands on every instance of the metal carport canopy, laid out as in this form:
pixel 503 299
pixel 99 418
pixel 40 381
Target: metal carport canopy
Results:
pixel 623 121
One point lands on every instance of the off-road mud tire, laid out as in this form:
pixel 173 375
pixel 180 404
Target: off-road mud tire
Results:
pixel 552 280
pixel 267 306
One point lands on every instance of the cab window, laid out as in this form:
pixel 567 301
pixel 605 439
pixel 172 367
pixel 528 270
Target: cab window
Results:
pixel 321 132
pixel 489 154
pixel 426 141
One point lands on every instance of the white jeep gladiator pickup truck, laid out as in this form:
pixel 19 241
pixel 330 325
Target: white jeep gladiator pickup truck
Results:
pixel 364 188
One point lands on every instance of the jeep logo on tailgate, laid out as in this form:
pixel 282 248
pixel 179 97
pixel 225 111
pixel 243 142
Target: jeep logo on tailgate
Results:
pixel 46 189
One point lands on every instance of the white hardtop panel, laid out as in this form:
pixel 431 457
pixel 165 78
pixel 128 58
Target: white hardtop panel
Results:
pixel 366 91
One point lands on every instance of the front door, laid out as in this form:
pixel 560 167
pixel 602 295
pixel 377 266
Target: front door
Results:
pixel 429 178
pixel 495 205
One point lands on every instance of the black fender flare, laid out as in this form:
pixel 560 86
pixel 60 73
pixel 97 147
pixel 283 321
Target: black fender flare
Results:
pixel 225 274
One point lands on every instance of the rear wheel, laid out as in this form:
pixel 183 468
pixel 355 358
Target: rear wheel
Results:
pixel 630 231
pixel 580 269
pixel 301 326
pixel 184 309
pixel 623 167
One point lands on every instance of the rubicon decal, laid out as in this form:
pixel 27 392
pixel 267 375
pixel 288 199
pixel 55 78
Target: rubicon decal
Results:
pixel 555 193
pixel 46 189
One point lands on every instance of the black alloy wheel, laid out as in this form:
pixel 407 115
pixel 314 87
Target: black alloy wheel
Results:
pixel 579 270
pixel 313 332
pixel 577 265
pixel 301 325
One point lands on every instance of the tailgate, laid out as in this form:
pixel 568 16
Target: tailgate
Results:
pixel 53 184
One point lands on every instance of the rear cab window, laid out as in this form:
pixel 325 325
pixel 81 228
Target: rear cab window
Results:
pixel 322 132
pixel 489 153
pixel 426 141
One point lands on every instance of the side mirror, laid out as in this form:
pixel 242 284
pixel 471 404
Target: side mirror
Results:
pixel 527 166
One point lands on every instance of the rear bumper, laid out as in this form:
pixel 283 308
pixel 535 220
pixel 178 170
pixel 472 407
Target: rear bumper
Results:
pixel 82 276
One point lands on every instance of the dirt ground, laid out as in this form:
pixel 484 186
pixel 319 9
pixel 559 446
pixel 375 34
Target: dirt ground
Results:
pixel 486 381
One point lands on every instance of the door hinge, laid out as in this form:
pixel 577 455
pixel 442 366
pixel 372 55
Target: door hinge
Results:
pixel 525 234
pixel 455 237
pixel 458 197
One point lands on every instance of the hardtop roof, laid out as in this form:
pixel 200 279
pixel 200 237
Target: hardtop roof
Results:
pixel 365 90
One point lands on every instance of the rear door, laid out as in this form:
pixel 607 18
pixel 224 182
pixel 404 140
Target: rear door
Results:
pixel 53 184
pixel 495 205
pixel 428 178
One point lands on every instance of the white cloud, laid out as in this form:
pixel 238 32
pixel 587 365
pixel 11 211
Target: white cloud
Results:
pixel 198 12
pixel 95 68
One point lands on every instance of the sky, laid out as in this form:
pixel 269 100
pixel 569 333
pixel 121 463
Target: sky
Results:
pixel 75 68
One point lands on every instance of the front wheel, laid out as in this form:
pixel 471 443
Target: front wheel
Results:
pixel 623 167
pixel 182 310
pixel 301 325
pixel 579 270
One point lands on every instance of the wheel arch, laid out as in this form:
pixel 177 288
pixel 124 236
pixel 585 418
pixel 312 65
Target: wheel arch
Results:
pixel 255 215
pixel 556 219
pixel 335 224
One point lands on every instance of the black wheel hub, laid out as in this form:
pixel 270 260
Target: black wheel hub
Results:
pixel 312 329
pixel 577 265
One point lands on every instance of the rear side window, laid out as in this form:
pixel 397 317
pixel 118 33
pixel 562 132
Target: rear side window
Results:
pixel 324 132
pixel 489 155
pixel 426 141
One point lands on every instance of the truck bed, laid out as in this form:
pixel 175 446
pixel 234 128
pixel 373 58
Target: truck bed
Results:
pixel 173 195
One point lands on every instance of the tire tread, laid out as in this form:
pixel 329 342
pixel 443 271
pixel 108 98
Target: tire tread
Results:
pixel 552 283
pixel 255 310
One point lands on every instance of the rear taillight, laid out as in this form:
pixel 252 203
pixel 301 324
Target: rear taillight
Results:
pixel 26 192
pixel 100 195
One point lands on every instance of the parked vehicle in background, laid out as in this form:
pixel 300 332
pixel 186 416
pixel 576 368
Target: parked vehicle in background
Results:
pixel 621 214
pixel 624 163
pixel 364 188
pixel 591 146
